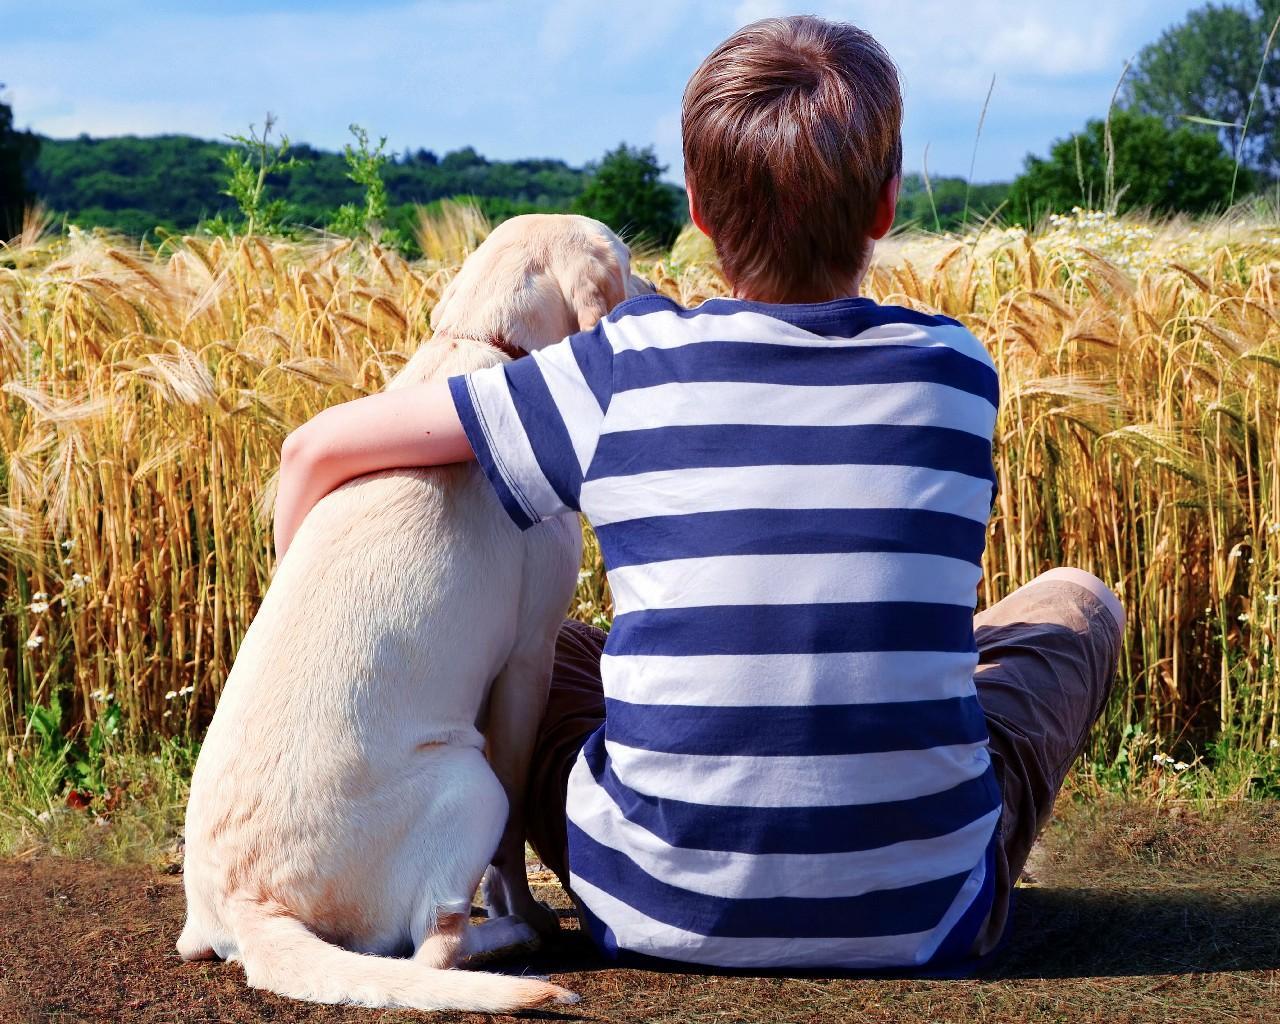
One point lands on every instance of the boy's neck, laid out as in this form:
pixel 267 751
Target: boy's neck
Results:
pixel 852 291
pixel 801 300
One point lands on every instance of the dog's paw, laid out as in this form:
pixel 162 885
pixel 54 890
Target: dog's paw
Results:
pixel 521 933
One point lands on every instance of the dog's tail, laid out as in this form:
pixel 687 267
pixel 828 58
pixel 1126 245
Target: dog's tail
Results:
pixel 280 954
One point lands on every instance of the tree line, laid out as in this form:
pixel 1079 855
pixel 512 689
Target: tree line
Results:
pixel 179 183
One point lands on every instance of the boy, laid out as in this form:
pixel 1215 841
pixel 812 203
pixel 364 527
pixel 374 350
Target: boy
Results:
pixel 790 751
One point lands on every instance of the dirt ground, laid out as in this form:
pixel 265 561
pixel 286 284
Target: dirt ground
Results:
pixel 1133 913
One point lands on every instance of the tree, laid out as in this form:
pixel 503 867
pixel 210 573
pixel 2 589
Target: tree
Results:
pixel 1207 68
pixel 249 164
pixel 625 190
pixel 948 203
pixel 1165 170
pixel 17 152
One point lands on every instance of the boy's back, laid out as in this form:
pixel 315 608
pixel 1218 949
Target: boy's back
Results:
pixel 791 502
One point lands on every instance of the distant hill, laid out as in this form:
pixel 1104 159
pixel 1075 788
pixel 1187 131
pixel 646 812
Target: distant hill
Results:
pixel 173 182
pixel 136 184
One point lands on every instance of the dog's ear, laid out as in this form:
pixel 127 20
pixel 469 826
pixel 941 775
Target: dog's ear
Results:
pixel 442 304
pixel 595 284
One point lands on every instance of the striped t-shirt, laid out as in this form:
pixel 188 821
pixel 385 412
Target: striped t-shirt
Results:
pixel 792 504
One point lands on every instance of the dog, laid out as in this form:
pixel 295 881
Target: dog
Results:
pixel 342 809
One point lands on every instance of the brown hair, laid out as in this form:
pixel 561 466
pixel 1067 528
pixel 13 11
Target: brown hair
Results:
pixel 791 129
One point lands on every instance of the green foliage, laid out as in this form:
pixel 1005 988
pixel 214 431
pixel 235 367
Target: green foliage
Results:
pixel 140 795
pixel 177 182
pixel 1205 69
pixel 364 167
pixel 253 159
pixel 133 184
pixel 626 192
pixel 1158 168
pixel 17 151
pixel 949 198
pixel 68 762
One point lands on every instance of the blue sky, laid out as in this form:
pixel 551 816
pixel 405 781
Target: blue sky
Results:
pixel 564 78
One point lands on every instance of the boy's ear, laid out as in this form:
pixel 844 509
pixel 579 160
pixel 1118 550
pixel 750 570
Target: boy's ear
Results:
pixel 886 207
pixel 694 214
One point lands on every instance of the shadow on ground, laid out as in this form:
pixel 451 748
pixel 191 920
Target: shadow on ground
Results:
pixel 1076 933
pixel 1067 933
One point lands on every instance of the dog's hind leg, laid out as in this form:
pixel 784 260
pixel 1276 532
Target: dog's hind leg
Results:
pixel 457 842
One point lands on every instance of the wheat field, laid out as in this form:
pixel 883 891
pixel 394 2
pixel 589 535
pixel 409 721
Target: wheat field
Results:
pixel 146 393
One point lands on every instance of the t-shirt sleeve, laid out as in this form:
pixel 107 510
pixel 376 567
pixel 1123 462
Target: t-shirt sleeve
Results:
pixel 533 423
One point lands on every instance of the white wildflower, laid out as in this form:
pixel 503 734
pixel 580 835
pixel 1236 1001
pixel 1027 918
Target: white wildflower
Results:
pixel 1243 617
pixel 67 544
pixel 186 691
pixel 585 575
pixel 171 694
pixel 34 641
pixel 38 607
pixel 78 582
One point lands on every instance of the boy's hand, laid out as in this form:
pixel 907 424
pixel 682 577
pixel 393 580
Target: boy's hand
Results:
pixel 408 427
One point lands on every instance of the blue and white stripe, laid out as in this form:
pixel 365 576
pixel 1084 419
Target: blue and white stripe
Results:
pixel 792 503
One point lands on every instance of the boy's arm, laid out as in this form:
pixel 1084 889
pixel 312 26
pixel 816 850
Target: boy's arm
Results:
pixel 413 426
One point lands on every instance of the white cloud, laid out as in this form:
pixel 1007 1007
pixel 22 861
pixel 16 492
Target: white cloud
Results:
pixel 1043 48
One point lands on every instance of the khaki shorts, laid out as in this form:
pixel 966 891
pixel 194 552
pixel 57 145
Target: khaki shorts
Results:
pixel 1047 656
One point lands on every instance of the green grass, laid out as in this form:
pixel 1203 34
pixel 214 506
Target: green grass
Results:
pixel 132 814
pixel 125 804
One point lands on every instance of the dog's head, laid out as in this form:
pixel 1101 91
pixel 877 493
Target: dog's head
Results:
pixel 536 279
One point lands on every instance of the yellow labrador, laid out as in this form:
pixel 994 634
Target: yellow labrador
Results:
pixel 342 804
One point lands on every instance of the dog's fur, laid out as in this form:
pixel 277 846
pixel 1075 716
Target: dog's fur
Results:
pixel 342 803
